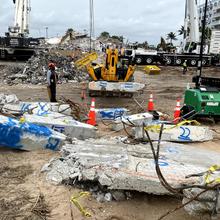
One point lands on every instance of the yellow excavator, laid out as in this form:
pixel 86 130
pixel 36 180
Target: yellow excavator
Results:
pixel 114 78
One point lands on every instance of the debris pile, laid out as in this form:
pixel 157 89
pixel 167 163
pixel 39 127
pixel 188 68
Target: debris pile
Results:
pixel 206 201
pixel 119 166
pixel 35 70
pixel 8 99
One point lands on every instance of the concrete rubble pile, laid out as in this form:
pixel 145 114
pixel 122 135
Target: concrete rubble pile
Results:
pixel 208 202
pixel 119 166
pixel 173 133
pixel 82 44
pixel 35 70
pixel 49 115
pixel 8 99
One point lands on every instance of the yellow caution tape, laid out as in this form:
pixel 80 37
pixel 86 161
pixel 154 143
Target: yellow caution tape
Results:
pixel 75 201
pixel 156 128
pixel 210 171
pixel 22 120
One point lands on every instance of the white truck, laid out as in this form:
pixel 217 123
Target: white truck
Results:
pixel 189 49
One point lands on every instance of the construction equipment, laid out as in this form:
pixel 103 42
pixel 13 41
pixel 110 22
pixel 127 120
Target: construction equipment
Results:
pixel 16 44
pixel 114 78
pixel 204 99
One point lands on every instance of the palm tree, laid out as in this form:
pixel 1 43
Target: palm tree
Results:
pixel 181 30
pixel 171 36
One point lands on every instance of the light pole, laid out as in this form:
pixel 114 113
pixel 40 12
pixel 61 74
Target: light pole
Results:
pixel 46 29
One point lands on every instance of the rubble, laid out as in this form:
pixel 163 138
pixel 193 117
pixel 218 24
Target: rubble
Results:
pixel 119 166
pixel 48 114
pixel 132 120
pixel 8 99
pixel 38 108
pixel 69 127
pixel 26 136
pixel 175 133
pixel 128 87
pixel 110 113
pixel 208 202
pixel 35 70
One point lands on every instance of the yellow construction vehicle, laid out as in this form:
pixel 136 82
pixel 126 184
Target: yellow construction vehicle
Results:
pixel 114 78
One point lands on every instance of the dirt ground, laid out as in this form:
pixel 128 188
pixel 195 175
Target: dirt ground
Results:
pixel 21 180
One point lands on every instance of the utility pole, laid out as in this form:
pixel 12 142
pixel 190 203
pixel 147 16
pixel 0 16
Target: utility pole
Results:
pixel 46 29
pixel 91 20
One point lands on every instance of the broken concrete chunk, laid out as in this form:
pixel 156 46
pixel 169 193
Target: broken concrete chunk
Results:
pixel 69 127
pixel 38 108
pixel 7 99
pixel 110 113
pixel 111 86
pixel 207 201
pixel 175 133
pixel 28 136
pixel 132 120
pixel 119 166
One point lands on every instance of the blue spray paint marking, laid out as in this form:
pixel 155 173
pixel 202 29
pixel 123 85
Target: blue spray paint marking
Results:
pixel 11 134
pixel 129 86
pixel 185 134
pixel 172 150
pixel 163 163
pixel 103 84
pixel 25 108
pixel 37 130
pixel 60 129
pixel 52 144
pixel 117 113
pixel 42 111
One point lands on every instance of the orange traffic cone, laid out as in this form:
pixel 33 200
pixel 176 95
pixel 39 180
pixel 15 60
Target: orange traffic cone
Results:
pixel 176 114
pixel 92 114
pixel 150 106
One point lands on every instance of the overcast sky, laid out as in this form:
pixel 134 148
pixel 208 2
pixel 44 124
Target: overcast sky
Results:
pixel 136 20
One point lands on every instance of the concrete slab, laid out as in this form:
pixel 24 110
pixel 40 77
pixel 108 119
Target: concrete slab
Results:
pixel 128 167
pixel 37 108
pixel 69 127
pixel 110 113
pixel 137 120
pixel 176 134
pixel 28 136
pixel 131 87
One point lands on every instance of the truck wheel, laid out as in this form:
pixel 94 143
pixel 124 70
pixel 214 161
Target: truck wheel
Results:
pixel 168 61
pixel 138 60
pixel 204 62
pixel 193 62
pixel 178 61
pixel 149 60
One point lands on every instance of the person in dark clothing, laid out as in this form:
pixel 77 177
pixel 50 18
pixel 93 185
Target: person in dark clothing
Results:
pixel 52 79
pixel 185 67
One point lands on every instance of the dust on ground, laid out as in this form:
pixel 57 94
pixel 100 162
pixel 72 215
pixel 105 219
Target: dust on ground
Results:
pixel 23 185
